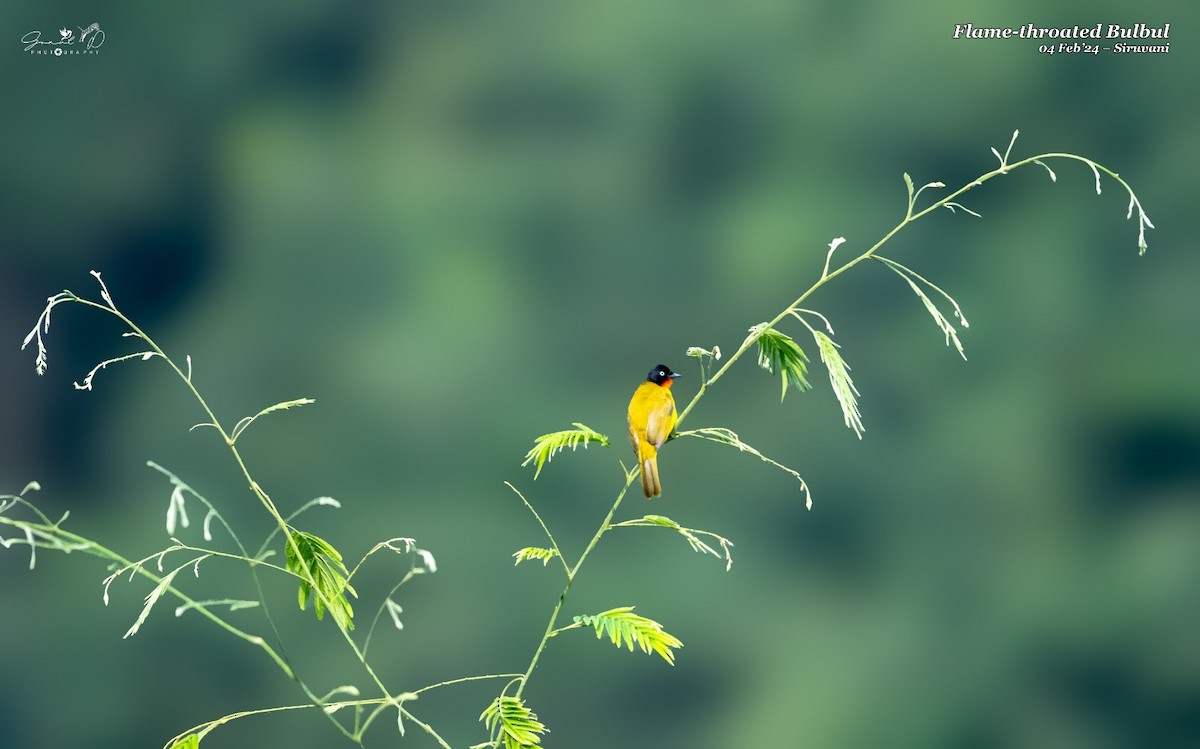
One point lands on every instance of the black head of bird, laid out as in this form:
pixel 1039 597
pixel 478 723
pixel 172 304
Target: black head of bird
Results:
pixel 661 375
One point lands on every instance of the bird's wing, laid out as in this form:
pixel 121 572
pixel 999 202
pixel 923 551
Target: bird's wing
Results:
pixel 658 425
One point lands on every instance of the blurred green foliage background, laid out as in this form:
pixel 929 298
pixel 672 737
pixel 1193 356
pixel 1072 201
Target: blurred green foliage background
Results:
pixel 461 225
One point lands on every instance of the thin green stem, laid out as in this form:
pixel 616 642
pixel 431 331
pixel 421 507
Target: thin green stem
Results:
pixel 237 557
pixel 542 523
pixel 572 625
pixel 413 571
pixel 408 545
pixel 604 527
pixel 207 727
pixel 463 680
pixel 426 728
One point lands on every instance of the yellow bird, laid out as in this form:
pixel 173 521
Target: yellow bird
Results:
pixel 652 418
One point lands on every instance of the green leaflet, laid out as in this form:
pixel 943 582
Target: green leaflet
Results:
pixel 779 354
pixel 627 628
pixel 839 379
pixel 535 552
pixel 508 719
pixel 313 557
pixel 547 445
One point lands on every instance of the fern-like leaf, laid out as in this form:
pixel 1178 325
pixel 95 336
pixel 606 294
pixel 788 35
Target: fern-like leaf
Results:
pixel 191 741
pixel 152 598
pixel 839 378
pixel 535 552
pixel 547 445
pixel 319 560
pixel 627 628
pixel 508 720
pixel 779 354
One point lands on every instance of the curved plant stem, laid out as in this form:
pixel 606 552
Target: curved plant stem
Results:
pixel 605 525
pixel 827 275
pixel 205 728
pixel 542 523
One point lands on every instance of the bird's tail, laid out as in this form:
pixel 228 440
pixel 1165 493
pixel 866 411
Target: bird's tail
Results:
pixel 650 486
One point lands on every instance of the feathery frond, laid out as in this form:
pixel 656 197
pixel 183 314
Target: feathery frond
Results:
pixel 508 720
pixel 627 628
pixel 42 327
pixel 319 560
pixel 163 586
pixel 779 354
pixel 839 378
pixel 535 552
pixel 547 445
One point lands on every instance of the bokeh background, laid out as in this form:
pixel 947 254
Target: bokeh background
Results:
pixel 461 225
